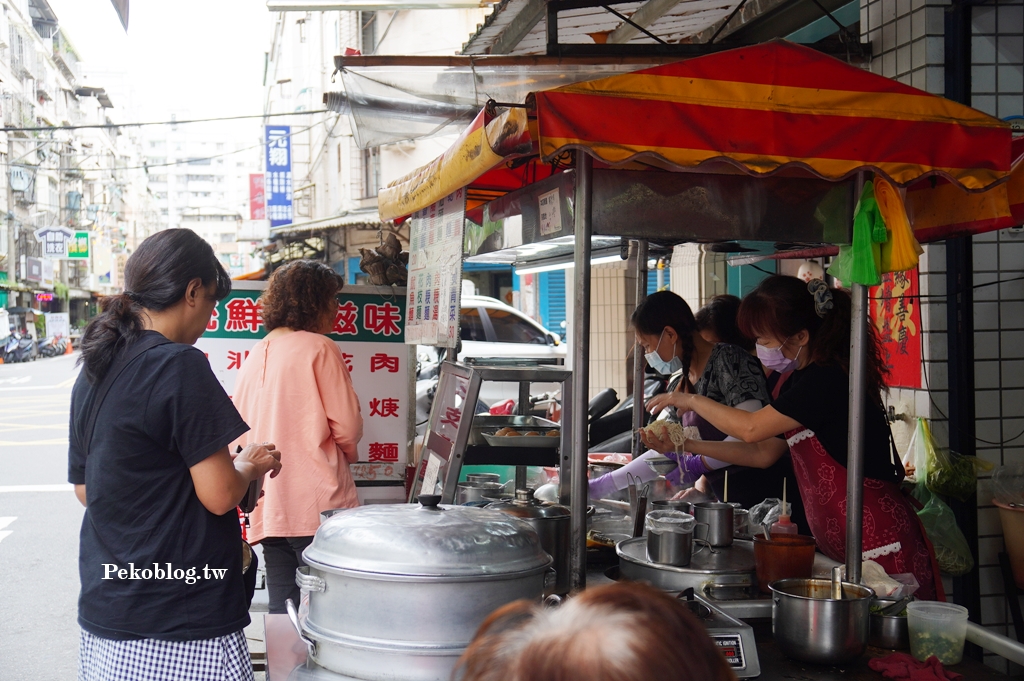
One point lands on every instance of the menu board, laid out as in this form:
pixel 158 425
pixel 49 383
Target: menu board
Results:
pixel 368 329
pixel 435 272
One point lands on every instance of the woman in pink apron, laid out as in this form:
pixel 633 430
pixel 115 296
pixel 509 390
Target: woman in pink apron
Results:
pixel 803 332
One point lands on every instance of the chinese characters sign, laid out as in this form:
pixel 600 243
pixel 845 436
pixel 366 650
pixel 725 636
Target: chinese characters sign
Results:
pixel 257 199
pixel 78 247
pixel 435 272
pixel 896 314
pixel 369 330
pixel 55 241
pixel 278 183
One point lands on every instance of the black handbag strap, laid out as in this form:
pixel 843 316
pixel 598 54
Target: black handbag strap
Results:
pixel 127 356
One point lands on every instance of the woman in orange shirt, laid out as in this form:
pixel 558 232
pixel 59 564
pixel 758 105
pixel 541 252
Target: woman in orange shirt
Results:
pixel 294 390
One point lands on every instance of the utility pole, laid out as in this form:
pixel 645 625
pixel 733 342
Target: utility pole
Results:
pixel 12 241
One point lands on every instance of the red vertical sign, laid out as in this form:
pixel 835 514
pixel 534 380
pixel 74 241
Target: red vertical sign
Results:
pixel 896 314
pixel 257 200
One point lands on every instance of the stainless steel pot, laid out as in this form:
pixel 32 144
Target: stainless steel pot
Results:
pixel 888 631
pixel 672 505
pixel 551 522
pixel 397 591
pixel 718 516
pixel 810 626
pixel 468 492
pixel 729 571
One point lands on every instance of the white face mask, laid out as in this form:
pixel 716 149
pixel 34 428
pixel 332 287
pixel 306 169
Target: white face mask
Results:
pixel 772 358
pixel 663 366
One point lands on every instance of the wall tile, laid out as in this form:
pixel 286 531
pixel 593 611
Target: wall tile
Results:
pixel 986 345
pixel 986 404
pixel 983 292
pixel 917 27
pixel 1011 18
pixel 903 62
pixel 936 50
pixel 984 103
pixel 991 579
pixel 1011 314
pixel 986 315
pixel 1009 105
pixel 986 257
pixel 983 49
pixel 986 375
pixel 1011 256
pixel 888 11
pixel 935 22
pixel 983 79
pixel 983 19
pixel 1010 77
pixel 919 79
pixel 988 429
pixel 993 610
pixel 1012 290
pixel 988 522
pixel 874 15
pixel 997 663
pixel 1010 49
pixel 902 7
pixel 936 80
pixel 1013 344
pixel 903 30
pixel 989 549
pixel 1012 374
pixel 938 375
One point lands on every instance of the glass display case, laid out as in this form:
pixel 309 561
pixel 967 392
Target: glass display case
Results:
pixel 457 437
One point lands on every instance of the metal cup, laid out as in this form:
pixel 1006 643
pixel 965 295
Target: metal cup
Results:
pixel 672 505
pixel 669 537
pixel 718 517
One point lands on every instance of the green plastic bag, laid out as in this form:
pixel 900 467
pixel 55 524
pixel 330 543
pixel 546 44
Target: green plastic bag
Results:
pixel 944 471
pixel 861 261
pixel 951 549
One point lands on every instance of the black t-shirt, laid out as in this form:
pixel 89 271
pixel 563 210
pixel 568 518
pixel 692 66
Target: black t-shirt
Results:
pixel 165 413
pixel 818 397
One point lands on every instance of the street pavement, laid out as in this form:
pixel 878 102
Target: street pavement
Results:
pixel 39 522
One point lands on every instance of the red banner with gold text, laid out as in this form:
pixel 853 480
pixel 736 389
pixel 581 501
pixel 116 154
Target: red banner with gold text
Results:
pixel 896 314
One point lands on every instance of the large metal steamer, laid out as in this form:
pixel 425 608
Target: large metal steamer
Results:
pixel 396 592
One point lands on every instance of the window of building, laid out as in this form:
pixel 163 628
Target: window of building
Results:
pixel 371 172
pixel 368 37
pixel 226 238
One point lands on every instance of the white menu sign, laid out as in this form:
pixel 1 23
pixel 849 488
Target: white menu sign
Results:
pixel 435 273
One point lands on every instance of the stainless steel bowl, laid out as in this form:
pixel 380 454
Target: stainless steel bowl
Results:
pixel 889 632
pixel 810 626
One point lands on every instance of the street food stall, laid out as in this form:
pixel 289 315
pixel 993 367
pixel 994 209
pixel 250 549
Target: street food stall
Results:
pixel 753 144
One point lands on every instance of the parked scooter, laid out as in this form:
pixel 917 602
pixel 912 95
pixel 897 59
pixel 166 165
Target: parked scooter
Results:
pixel 52 346
pixel 19 348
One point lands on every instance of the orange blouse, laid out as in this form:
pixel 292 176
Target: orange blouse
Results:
pixel 295 391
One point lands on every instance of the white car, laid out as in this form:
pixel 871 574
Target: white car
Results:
pixel 492 329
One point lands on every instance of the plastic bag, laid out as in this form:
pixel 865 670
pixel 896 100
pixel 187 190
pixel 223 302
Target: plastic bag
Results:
pixel 860 262
pixel 943 470
pixel 952 552
pixel 901 251
pixel 767 512
pixel 1008 485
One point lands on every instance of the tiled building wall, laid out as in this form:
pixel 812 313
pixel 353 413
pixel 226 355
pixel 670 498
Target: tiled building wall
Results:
pixel 612 300
pixel 908 45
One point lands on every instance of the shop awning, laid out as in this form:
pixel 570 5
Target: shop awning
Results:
pixel 759 109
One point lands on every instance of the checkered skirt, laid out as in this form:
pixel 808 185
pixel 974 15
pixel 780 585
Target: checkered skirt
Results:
pixel 225 658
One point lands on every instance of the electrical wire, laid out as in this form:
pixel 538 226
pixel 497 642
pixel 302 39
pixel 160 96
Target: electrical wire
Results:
pixel 109 126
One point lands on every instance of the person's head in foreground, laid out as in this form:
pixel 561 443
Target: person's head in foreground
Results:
pixel 301 296
pixel 620 632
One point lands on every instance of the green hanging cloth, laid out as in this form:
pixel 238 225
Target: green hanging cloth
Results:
pixel 860 262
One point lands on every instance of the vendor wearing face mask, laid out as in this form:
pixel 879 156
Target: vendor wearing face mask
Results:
pixel 727 374
pixel 803 331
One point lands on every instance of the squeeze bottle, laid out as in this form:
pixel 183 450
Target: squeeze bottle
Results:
pixel 784 525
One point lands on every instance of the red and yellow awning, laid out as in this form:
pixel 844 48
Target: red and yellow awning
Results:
pixel 774 105
pixel 762 108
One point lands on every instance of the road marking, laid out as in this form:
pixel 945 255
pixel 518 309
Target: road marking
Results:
pixel 14 380
pixel 37 488
pixel 68 383
pixel 18 443
pixel 4 522
pixel 30 387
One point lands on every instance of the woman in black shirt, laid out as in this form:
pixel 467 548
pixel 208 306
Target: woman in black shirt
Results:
pixel 160 556
pixel 803 332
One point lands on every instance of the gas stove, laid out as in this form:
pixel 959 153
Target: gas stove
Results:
pixel 733 637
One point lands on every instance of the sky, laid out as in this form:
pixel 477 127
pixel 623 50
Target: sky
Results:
pixel 203 58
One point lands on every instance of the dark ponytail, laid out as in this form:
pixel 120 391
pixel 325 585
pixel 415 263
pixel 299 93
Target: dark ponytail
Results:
pixel 155 278
pixel 782 307
pixel 662 309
